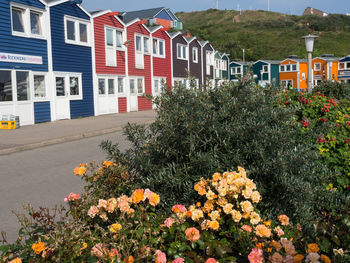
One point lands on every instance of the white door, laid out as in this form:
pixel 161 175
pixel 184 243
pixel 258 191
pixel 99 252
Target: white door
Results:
pixel 24 106
pixel 62 99
pixel 107 98
pixel 133 95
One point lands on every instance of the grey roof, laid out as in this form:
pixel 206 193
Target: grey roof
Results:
pixel 151 28
pixel 328 59
pixel 271 61
pixel 49 1
pixel 96 12
pixel 242 63
pixel 142 14
pixel 172 34
pixel 189 39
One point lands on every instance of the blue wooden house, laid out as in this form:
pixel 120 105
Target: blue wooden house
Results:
pixel 344 70
pixel 266 72
pixel 24 88
pixel 238 69
pixel 71 50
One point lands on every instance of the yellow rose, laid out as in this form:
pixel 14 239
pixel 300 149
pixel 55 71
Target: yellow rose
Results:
pixel 254 218
pixel 262 231
pixel 236 216
pixel 247 193
pixel 222 201
pixel 255 197
pixel 209 205
pixel 210 195
pixel 216 177
pixel 214 215
pixel 196 214
pixel 115 228
pixel 247 206
pixel 214 225
pixel 228 208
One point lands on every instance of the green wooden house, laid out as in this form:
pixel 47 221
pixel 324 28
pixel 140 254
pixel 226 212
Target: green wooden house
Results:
pixel 237 69
pixel 266 72
pixel 221 69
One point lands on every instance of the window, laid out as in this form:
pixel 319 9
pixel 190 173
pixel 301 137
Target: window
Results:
pixel 111 90
pixel 109 38
pixel 341 65
pixel 146 44
pixel 224 64
pixel 288 67
pixel 236 71
pixel 348 65
pixel 119 39
pixel 77 31
pixel 138 44
pixel 17 20
pixel 132 86
pixel 158 84
pixel 195 55
pixel 265 68
pixel 35 26
pixel 158 47
pixel 120 85
pixel 5 85
pixel 287 83
pixel 317 67
pixel 294 67
pixel 317 82
pixel 101 86
pixel 181 51
pixel 74 86
pixel 282 68
pixel 209 61
pixel 23 92
pixel 27 21
pixel 140 86
pixel 39 86
pixel 60 87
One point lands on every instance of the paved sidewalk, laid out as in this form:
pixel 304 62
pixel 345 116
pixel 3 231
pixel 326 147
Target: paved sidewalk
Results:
pixel 39 135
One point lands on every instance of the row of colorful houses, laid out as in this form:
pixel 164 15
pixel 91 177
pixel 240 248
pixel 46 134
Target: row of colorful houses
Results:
pixel 58 61
pixel 292 72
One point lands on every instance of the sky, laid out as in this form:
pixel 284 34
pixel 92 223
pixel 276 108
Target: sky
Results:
pixel 284 6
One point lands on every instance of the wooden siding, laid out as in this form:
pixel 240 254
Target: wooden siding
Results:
pixel 42 112
pixel 164 15
pixel 162 66
pixel 20 45
pixel 196 68
pixel 72 58
pixel 179 65
pixel 163 22
pixel 122 105
pixel 211 73
pixel 275 74
pixel 100 46
pixel 144 103
pixel 133 29
pixel 225 72
pixel 322 73
pixel 257 68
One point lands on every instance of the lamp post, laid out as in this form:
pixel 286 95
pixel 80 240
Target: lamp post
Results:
pixel 309 42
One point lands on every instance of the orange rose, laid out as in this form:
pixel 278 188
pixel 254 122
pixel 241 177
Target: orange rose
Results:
pixel 130 259
pixel 154 199
pixel 192 234
pixel 138 195
pixel 79 170
pixel 284 220
pixel 108 163
pixel 38 247
pixel 325 259
pixel 312 248
pixel 298 258
pixel 16 260
pixel 262 231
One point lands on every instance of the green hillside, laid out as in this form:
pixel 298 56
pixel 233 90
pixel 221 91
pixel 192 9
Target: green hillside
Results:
pixel 268 35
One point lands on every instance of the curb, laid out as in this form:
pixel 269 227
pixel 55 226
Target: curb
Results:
pixel 71 138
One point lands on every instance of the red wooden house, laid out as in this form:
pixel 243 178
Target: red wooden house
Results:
pixel 110 63
pixel 139 66
pixel 161 59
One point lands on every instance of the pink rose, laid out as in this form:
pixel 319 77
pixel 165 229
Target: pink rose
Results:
pixel 159 256
pixel 256 256
pixel 247 228
pixel 71 197
pixel 169 222
pixel 211 260
pixel 179 260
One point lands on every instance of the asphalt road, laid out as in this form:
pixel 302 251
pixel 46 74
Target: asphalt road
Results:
pixel 44 176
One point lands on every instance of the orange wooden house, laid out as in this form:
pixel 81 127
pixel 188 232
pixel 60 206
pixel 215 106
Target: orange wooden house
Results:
pixel 325 68
pixel 293 73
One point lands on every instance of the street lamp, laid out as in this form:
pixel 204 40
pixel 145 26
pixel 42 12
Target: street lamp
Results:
pixel 309 42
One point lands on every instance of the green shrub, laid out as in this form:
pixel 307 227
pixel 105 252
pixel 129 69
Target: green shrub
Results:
pixel 334 89
pixel 199 132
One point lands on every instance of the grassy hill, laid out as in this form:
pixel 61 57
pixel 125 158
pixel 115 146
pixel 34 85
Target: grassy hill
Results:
pixel 268 35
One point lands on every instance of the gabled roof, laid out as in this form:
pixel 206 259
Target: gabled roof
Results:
pixel 348 56
pixel 269 61
pixel 328 59
pixel 142 14
pixel 57 2
pixel 294 59
pixel 153 29
pixel 174 34
pixel 190 39
pixel 241 63
pixel 98 13
pixel 172 15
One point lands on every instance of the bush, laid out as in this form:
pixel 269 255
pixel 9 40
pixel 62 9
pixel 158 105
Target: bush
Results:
pixel 199 132
pixel 336 90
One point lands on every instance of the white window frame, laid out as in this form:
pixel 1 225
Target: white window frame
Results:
pixel 317 65
pixel 181 55
pixel 296 67
pixel 317 82
pixel 66 76
pixel 161 80
pixel 114 47
pixel 146 39
pixel 265 69
pixel 157 54
pixel 195 54
pixel 77 22
pixel 121 94
pixel 285 82
pixel 136 78
pixel 234 70
pixel 44 74
pixel 27 22
pixel 282 67
pixel 209 60
pixel 223 65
